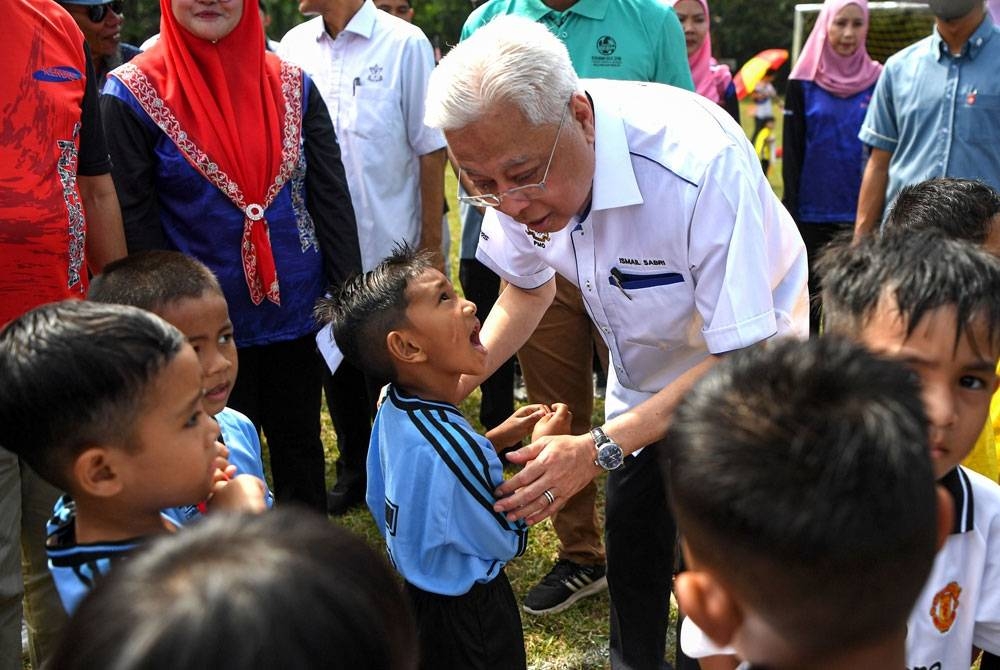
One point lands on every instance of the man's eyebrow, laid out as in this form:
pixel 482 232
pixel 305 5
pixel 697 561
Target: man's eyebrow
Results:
pixel 516 161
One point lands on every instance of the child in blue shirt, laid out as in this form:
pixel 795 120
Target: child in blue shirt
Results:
pixel 431 477
pixel 185 293
pixel 105 403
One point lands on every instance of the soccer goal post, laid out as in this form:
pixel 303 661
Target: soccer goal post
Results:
pixel 891 26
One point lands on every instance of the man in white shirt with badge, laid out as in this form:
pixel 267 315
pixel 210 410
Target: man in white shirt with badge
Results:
pixel 372 71
pixel 652 201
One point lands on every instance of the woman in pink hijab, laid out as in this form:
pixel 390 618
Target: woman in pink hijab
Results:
pixel 828 93
pixel 711 79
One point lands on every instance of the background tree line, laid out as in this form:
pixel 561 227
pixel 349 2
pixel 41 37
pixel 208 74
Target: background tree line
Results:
pixel 740 28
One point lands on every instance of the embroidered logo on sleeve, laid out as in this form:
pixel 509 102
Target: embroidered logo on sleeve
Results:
pixel 538 239
pixel 944 609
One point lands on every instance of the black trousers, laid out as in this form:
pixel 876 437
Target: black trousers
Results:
pixel 278 388
pixel 816 236
pixel 482 286
pixel 479 630
pixel 639 537
pixel 350 398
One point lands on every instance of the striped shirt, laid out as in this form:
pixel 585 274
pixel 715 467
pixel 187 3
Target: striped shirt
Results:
pixel 431 479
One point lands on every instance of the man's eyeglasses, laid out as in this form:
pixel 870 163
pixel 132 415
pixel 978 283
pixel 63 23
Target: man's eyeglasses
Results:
pixel 97 13
pixel 528 191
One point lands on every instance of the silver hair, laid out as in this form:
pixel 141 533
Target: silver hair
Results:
pixel 510 60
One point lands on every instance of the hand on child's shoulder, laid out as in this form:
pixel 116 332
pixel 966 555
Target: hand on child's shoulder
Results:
pixel 557 421
pixel 241 493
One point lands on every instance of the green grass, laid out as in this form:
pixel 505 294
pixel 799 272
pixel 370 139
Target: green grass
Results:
pixel 746 120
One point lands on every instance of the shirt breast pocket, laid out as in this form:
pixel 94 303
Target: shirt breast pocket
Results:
pixel 374 113
pixel 980 120
pixel 653 308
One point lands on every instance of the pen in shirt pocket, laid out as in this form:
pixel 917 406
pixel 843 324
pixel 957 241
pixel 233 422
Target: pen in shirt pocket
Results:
pixel 616 279
pixel 354 88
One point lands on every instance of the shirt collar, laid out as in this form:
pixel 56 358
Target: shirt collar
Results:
pixel 614 179
pixel 361 24
pixel 977 40
pixel 591 9
pixel 959 488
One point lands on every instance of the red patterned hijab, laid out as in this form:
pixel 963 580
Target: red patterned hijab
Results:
pixel 227 97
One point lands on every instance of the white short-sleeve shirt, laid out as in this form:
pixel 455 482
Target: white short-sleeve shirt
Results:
pixel 959 606
pixel 685 250
pixel 373 78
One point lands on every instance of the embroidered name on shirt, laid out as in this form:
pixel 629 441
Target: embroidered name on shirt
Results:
pixel 654 262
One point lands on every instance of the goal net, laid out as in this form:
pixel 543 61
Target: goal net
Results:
pixel 892 26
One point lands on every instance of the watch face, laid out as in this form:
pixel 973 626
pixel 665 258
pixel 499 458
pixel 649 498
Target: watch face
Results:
pixel 610 456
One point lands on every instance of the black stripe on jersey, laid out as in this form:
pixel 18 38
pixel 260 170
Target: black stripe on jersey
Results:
pixel 82 554
pixel 84 578
pixel 959 487
pixel 440 421
pixel 449 451
pixel 412 403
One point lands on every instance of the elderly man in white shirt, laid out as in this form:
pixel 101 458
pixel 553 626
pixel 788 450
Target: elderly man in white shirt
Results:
pixel 652 201
pixel 372 70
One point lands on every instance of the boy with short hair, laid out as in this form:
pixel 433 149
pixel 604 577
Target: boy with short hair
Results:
pixel 801 483
pixel 105 403
pixel 960 209
pixel 934 304
pixel 184 292
pixel 431 477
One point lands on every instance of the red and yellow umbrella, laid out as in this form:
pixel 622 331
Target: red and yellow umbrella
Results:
pixel 755 68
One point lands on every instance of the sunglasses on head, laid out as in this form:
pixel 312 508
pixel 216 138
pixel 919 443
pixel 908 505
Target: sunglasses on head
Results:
pixel 97 13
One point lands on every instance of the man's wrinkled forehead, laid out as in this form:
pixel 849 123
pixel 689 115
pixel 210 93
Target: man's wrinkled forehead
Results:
pixel 495 140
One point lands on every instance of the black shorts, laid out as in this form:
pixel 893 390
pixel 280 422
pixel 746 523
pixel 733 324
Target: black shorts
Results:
pixel 480 629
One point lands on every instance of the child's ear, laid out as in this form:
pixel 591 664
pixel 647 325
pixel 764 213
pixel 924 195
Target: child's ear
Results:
pixel 945 515
pixel 404 347
pixel 95 471
pixel 707 603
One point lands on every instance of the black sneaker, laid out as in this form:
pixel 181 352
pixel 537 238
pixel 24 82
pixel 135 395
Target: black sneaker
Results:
pixel 345 496
pixel 566 583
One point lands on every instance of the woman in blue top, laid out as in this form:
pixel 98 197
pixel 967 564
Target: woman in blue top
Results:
pixel 222 151
pixel 827 96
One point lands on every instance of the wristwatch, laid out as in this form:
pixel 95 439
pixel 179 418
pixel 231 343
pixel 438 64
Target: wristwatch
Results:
pixel 609 454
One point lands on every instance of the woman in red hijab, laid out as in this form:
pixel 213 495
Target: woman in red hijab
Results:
pixel 224 152
pixel 712 79
pixel 825 103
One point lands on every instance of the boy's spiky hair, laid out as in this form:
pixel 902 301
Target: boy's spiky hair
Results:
pixel 371 305
pixel 921 272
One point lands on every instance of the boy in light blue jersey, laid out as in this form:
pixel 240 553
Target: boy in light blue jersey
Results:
pixel 184 292
pixel 105 402
pixel 431 477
